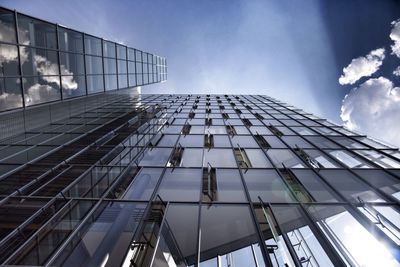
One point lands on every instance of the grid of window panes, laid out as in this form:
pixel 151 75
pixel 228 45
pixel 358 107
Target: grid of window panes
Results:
pixel 208 180
pixel 43 62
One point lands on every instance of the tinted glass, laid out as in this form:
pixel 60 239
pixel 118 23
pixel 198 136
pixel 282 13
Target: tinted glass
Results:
pixel 7 29
pixel 70 41
pixel 36 32
pixel 92 45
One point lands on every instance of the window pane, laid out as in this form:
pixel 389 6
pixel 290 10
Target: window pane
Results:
pixel 359 247
pixel 71 64
pixel 382 180
pixel 9 65
pixel 349 159
pixel 109 229
pixel 41 89
pixel 224 231
pixel 73 86
pixel 7 29
pixel 257 158
pixel 229 186
pixel 293 223
pixel 350 186
pixel 69 40
pixel 92 45
pixel 192 157
pixel 268 185
pixel 192 140
pixel 109 49
pixel 39 61
pixel 95 83
pixel 121 51
pixel 180 185
pixel 110 82
pixel 315 186
pixel 219 158
pixel 94 65
pixel 143 185
pixel 110 66
pixel 284 158
pixel 122 66
pixel 36 32
pixel 155 157
pixel 178 241
pixel 10 93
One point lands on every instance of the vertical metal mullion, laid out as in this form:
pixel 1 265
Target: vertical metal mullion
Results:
pixel 19 62
pixel 127 71
pixel 84 63
pixel 103 62
pixel 116 62
pixel 59 62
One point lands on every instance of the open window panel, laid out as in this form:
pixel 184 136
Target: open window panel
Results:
pixel 359 242
pixel 291 239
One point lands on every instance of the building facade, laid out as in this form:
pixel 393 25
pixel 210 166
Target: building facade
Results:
pixel 120 178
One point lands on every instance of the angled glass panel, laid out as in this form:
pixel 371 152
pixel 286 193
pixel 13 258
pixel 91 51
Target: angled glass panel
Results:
pixel 219 158
pixel 10 93
pixel 9 65
pixel 180 185
pixel 227 231
pixel 70 40
pixel 7 29
pixel 104 237
pixel 382 180
pixel 257 158
pixel 351 187
pixel 192 157
pixel 292 222
pixel 285 158
pixel 379 158
pixel 229 186
pixel 38 61
pixel 155 157
pixel 268 185
pixel 349 159
pixel 41 89
pixel 143 184
pixel 35 32
pixel 178 239
pixel 92 45
pixel 315 186
pixel 357 246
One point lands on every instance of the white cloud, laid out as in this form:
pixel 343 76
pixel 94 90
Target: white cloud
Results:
pixel 374 108
pixel 396 72
pixel 395 36
pixel 362 66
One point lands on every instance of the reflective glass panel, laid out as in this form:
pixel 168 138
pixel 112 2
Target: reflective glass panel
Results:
pixel 268 185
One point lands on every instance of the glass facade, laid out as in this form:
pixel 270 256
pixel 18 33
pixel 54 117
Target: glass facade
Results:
pixel 196 180
pixel 42 62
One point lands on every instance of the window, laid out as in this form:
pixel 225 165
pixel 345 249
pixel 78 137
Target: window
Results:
pixel 7 30
pixel 180 185
pixel 222 228
pixel 348 159
pixel 36 32
pixel 315 186
pixel 268 185
pixel 70 40
pixel 350 186
pixel 219 158
pixel 284 158
pixel 155 157
pixel 92 45
pixel 257 158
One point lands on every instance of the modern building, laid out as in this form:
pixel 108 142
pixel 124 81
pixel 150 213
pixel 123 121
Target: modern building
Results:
pixel 97 177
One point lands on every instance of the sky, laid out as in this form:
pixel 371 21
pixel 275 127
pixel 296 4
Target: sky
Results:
pixel 336 59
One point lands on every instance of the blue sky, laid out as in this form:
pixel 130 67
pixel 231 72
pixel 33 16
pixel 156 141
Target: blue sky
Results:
pixel 292 50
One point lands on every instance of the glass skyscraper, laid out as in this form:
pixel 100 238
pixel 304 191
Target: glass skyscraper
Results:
pixel 97 177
